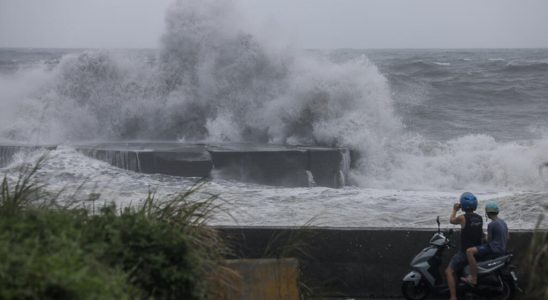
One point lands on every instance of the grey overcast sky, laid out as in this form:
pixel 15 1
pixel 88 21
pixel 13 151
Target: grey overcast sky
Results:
pixel 309 23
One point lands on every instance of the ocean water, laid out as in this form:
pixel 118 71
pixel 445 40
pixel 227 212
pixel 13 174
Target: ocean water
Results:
pixel 428 124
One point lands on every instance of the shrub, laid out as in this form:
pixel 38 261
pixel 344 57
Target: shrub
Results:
pixel 161 250
pixel 156 255
pixel 41 258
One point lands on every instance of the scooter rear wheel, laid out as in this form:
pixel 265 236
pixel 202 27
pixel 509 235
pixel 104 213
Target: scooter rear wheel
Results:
pixel 415 292
pixel 507 291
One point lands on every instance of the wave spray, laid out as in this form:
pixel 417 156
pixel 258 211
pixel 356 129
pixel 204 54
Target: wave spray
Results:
pixel 214 81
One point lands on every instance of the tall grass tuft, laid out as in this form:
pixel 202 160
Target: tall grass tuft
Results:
pixel 291 242
pixel 162 249
pixel 23 193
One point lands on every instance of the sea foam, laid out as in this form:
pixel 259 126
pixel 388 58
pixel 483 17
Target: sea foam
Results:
pixel 214 81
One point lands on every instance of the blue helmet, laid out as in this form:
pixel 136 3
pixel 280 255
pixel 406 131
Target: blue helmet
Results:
pixel 492 207
pixel 468 201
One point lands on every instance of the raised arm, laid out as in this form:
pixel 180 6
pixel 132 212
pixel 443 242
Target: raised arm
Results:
pixel 454 219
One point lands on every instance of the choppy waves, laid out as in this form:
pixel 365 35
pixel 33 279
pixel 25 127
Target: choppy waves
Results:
pixel 80 178
pixel 527 67
pixel 214 81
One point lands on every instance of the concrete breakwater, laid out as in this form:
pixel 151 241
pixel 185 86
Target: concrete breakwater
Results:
pixel 351 262
pixel 292 166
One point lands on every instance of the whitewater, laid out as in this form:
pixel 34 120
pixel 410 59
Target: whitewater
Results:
pixel 427 124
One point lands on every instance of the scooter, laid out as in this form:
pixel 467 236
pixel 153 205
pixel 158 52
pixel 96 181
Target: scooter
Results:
pixel 496 280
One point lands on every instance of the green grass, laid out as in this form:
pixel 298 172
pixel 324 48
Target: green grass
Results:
pixel 160 250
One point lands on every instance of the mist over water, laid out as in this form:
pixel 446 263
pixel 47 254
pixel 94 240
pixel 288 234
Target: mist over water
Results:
pixel 212 81
pixel 436 123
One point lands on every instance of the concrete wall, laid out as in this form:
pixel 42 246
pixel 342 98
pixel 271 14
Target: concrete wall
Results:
pixel 281 168
pixel 8 151
pixel 188 162
pixel 353 262
pixel 280 165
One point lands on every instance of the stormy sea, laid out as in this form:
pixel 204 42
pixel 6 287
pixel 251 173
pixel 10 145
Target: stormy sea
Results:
pixel 428 124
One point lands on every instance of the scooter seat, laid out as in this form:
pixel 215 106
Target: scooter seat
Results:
pixel 489 256
pixel 489 265
pixel 492 264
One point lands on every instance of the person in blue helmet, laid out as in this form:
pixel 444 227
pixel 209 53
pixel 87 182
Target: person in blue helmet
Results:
pixel 470 236
pixel 497 236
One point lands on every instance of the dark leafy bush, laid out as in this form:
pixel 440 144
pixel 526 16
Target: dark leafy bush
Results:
pixel 41 258
pixel 161 250
pixel 156 255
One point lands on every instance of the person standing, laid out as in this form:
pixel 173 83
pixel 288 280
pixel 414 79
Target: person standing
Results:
pixel 470 236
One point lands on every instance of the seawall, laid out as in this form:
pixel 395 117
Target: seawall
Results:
pixel 351 262
pixel 278 165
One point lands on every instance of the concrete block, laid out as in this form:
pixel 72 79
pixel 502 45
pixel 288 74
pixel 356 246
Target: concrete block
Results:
pixel 7 151
pixel 127 160
pixel 279 165
pixel 153 158
pixel 186 164
pixel 329 166
pixel 263 279
pixel 6 154
pixel 263 166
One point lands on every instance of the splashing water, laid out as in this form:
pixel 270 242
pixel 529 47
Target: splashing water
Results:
pixel 213 81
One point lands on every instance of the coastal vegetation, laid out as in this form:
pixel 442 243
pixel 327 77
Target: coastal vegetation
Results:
pixel 51 249
pixel 537 264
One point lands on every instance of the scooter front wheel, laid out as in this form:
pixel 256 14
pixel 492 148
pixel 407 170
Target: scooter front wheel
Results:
pixel 415 292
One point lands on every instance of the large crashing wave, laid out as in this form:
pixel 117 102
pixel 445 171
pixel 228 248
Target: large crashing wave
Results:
pixel 214 81
pixel 239 89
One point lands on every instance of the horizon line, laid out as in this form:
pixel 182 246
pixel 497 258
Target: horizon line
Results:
pixel 306 48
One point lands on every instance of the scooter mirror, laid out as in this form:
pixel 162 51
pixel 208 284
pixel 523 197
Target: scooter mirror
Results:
pixel 438 221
